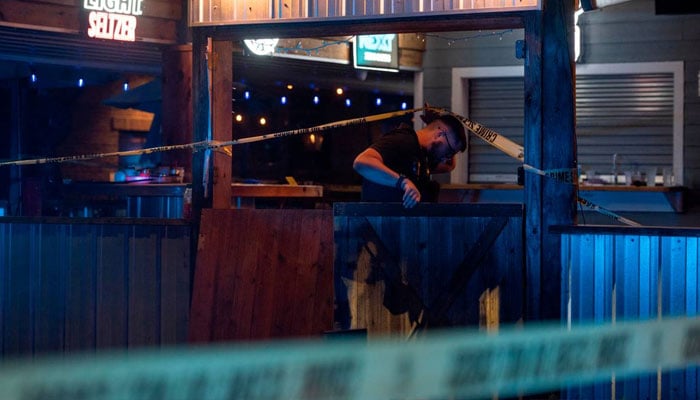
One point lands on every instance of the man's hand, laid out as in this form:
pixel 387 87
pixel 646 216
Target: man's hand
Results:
pixel 411 194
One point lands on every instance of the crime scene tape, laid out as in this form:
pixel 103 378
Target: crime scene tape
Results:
pixel 564 175
pixel 215 145
pixel 490 136
pixel 444 364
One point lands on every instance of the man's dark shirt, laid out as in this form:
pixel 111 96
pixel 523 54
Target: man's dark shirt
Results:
pixel 402 153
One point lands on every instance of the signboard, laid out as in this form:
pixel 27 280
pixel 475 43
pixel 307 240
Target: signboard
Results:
pixel 379 52
pixel 112 19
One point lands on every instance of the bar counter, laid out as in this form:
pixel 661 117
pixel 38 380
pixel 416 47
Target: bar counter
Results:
pixel 612 197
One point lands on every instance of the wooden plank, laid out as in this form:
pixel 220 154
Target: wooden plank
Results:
pixel 205 278
pixel 221 121
pixel 40 15
pixel 272 190
pixel 144 291
pixel 174 285
pixel 131 124
pixel 80 295
pixel 164 9
pixel 50 281
pixel 112 287
pixel 18 332
pixel 265 287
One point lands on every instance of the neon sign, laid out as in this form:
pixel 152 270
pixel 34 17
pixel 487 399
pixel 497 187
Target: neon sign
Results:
pixel 113 19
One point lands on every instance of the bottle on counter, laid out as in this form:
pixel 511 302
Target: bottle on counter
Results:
pixel 187 204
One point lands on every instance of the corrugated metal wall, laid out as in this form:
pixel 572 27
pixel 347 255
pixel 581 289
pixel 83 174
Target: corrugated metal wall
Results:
pixel 71 287
pixel 628 115
pixel 636 276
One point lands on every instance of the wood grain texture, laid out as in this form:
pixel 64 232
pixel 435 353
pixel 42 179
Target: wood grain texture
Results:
pixel 263 274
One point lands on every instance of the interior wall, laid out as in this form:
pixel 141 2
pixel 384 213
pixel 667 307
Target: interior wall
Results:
pixel 624 33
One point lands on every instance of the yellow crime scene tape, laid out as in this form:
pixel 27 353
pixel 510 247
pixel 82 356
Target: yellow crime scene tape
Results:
pixel 488 135
pixel 564 175
pixel 442 365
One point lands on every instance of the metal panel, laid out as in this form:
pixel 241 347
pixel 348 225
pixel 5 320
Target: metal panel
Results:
pixel 629 115
pixel 649 276
pixel 84 286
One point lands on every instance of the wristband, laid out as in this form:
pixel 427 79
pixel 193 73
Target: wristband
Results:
pixel 399 182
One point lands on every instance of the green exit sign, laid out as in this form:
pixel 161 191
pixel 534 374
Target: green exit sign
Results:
pixel 380 52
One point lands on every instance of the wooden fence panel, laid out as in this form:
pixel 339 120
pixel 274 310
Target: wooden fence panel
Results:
pixel 401 271
pixel 263 274
pixel 69 286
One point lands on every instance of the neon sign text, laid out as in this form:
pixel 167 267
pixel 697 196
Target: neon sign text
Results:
pixel 113 19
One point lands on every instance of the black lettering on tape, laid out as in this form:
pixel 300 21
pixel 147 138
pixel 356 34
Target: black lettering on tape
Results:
pixel 612 350
pixel 516 364
pixel 573 355
pixel 148 388
pixel 691 343
pixel 327 380
pixel 65 391
pixel 256 383
pixel 468 368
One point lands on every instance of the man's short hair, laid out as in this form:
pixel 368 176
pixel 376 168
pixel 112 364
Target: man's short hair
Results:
pixel 456 127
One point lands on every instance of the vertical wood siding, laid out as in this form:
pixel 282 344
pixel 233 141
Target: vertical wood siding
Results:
pixel 76 287
pixel 399 274
pixel 615 277
pixel 263 274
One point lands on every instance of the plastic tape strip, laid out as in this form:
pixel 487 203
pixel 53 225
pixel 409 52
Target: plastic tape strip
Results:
pixel 446 364
pixel 215 145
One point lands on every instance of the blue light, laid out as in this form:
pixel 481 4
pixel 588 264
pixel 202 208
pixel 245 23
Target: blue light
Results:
pixel 316 100
pixel 126 86
pixel 81 82
pixel 33 77
pixel 283 100
pixel 246 94
pixel 378 102
pixel 404 105
pixel 348 103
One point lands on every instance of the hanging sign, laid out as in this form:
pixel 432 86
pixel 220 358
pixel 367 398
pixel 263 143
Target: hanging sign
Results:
pixel 380 52
pixel 113 19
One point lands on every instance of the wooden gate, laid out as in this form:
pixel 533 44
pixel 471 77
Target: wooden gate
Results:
pixel 401 271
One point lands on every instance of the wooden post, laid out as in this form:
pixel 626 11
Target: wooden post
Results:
pixel 222 83
pixel 549 144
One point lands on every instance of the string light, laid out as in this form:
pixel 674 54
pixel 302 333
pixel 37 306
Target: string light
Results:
pixel 316 100
pixel 81 82
pixel 283 100
pixel 348 103
pixel 125 86
pixel 378 102
pixel 246 94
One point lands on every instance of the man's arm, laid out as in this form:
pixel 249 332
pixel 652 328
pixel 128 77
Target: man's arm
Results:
pixel 370 165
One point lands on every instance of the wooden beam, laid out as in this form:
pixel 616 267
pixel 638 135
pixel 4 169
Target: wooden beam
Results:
pixel 334 27
pixel 222 84
pixel 549 144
